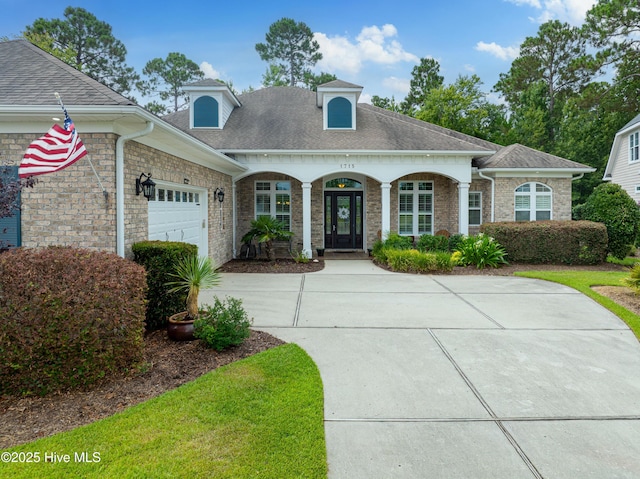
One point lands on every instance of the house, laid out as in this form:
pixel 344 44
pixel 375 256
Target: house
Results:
pixel 623 165
pixel 340 174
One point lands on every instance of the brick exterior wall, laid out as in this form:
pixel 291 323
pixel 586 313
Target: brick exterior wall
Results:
pixel 505 196
pixel 68 207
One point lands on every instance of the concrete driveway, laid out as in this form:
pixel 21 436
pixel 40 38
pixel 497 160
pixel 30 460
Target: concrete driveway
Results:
pixel 458 376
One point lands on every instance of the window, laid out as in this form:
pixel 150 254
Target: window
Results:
pixel 475 208
pixel 415 208
pixel 339 113
pixel 273 198
pixel 533 202
pixel 205 112
pixel 634 154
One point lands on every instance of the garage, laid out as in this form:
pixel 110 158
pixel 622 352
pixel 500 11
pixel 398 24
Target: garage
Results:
pixel 179 213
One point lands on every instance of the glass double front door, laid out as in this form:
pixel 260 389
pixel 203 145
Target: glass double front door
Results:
pixel 343 219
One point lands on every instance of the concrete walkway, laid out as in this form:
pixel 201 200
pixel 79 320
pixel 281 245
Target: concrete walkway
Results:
pixel 471 377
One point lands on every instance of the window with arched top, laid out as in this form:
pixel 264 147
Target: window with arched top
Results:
pixel 533 202
pixel 343 183
pixel 206 113
pixel 339 113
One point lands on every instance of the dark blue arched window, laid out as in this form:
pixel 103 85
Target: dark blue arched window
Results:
pixel 205 112
pixel 339 113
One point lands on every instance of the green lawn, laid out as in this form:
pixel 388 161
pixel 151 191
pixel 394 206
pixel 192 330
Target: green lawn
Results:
pixel 261 417
pixel 583 281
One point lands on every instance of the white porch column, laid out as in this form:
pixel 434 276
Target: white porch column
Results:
pixel 306 219
pixel 463 208
pixel 385 189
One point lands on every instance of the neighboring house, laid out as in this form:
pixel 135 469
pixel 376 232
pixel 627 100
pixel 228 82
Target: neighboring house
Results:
pixel 339 173
pixel 623 166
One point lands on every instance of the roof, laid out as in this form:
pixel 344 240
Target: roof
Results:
pixel 520 156
pixel 287 118
pixel 31 68
pixel 633 122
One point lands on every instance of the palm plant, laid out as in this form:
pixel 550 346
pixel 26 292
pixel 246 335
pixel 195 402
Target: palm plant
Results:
pixel 267 229
pixel 194 273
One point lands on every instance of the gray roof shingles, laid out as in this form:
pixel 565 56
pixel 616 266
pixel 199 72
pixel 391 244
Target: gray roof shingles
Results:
pixel 31 76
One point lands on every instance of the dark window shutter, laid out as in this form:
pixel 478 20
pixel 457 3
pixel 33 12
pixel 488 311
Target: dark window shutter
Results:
pixel 10 234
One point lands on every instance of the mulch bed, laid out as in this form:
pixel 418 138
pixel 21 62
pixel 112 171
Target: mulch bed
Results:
pixel 171 364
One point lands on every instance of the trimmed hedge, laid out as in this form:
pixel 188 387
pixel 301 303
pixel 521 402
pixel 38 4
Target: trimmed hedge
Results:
pixel 69 318
pixel 555 242
pixel 159 259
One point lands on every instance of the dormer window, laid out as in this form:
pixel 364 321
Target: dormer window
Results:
pixel 338 100
pixel 206 113
pixel 211 103
pixel 339 113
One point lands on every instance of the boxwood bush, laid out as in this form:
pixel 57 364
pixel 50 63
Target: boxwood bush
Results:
pixel 69 317
pixel 159 259
pixel 553 242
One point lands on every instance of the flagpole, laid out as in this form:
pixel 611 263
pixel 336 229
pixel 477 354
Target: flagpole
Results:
pixel 66 116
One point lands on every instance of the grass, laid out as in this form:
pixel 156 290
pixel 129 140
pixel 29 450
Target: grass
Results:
pixel 583 282
pixel 261 417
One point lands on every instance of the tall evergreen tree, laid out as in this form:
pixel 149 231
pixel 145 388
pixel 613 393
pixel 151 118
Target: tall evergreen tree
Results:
pixel 291 47
pixel 424 78
pixel 96 51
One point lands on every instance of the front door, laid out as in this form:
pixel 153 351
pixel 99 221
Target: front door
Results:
pixel 343 219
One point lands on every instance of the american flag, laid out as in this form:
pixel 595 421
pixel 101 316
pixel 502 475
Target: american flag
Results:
pixel 56 150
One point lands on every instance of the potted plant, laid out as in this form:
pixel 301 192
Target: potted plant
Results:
pixel 267 229
pixel 192 273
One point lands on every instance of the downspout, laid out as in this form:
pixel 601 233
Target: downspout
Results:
pixel 120 184
pixel 574 178
pixel 493 194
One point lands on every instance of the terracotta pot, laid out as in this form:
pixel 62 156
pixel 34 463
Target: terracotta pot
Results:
pixel 178 329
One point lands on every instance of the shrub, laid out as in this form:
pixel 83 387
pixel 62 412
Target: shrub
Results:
pixel 69 318
pixel 454 241
pixel 414 261
pixel 222 325
pixel 611 205
pixel 482 251
pixel 554 242
pixel 159 258
pixel 432 243
pixel 633 280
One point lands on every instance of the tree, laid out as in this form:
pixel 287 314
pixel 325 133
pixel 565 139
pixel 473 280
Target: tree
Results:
pixel 290 46
pixel 387 103
pixel 555 58
pixel 312 82
pixel 167 78
pixel 461 106
pixel 424 78
pixel 274 76
pixel 97 52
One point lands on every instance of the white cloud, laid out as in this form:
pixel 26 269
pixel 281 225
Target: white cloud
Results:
pixel 400 85
pixel 570 11
pixel 373 44
pixel 503 53
pixel 209 71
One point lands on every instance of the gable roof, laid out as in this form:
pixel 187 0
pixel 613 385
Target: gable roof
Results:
pixel 30 68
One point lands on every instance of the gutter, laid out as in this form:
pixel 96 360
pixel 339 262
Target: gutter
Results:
pixel 493 193
pixel 120 184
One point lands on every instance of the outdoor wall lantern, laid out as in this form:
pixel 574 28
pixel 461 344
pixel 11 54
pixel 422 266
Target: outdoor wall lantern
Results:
pixel 146 187
pixel 219 193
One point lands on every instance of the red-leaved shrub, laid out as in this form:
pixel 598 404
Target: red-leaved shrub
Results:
pixel 68 317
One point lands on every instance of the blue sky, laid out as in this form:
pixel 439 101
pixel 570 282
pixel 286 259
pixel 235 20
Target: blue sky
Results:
pixel 371 43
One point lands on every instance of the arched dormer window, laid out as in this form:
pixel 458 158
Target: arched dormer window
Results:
pixel 339 113
pixel 206 113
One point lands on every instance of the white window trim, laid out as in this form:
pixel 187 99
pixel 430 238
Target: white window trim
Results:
pixel 416 213
pixel 272 198
pixel 325 109
pixel 216 96
pixel 533 194
pixel 479 208
pixel 634 147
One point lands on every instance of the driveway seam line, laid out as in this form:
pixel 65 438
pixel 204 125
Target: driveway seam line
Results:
pixel 486 406
pixel 296 315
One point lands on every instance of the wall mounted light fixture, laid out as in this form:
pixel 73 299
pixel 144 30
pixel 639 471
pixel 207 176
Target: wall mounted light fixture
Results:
pixel 219 193
pixel 146 187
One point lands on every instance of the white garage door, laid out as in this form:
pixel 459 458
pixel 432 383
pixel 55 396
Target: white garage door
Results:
pixel 179 213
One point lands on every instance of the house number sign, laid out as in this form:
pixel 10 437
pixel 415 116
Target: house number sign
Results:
pixel 347 166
